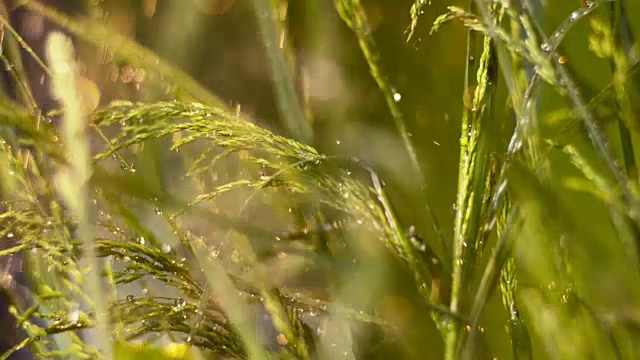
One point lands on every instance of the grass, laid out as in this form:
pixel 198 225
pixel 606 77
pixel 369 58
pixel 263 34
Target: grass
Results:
pixel 168 222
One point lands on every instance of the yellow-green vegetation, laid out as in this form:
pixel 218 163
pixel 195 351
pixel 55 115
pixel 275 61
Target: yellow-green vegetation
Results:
pixel 390 180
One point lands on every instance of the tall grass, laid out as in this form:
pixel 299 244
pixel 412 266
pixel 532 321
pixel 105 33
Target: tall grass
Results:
pixel 181 227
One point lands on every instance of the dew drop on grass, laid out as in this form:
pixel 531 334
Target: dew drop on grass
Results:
pixel 130 298
pixel 166 248
pixel 141 240
pixel 396 95
pixel 575 15
pixel 180 302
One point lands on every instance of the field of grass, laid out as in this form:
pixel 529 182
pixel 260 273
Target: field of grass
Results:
pixel 320 179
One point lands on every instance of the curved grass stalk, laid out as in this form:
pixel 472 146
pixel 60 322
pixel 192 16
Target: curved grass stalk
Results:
pixel 146 121
pixel 213 271
pixel 283 321
pixel 353 14
pixel 221 283
pixel 415 11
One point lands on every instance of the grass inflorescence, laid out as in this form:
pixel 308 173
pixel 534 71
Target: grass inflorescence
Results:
pixel 172 224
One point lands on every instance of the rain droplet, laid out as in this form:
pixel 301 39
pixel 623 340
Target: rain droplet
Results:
pixel 575 15
pixel 396 95
pixel 180 302
pixel 545 46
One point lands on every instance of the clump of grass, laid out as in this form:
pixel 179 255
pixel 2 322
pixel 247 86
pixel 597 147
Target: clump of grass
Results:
pixel 176 228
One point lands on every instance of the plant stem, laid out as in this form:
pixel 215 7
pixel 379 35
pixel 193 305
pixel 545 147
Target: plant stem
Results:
pixel 288 102
pixel 72 181
pixel 472 175
pixel 354 16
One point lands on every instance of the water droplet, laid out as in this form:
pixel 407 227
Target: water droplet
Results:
pixel 180 302
pixel 575 15
pixel 545 46
pixel 141 240
pixel 166 248
pixel 337 142
pixel 130 298
pixel 396 95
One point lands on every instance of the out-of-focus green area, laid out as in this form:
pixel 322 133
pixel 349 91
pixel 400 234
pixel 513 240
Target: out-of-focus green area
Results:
pixel 299 249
